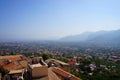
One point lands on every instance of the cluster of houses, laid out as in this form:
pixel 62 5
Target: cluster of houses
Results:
pixel 19 67
pixel 114 58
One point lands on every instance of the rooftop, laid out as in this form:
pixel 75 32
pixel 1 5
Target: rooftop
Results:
pixel 16 71
pixel 60 62
pixel 35 65
pixel 13 62
pixel 64 74
pixel 52 75
pixel 11 57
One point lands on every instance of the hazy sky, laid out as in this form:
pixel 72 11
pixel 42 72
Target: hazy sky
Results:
pixel 52 19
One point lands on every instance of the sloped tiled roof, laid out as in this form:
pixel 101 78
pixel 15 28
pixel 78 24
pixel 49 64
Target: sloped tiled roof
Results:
pixel 64 74
pixel 52 75
pixel 58 61
pixel 12 66
pixel 71 62
pixel 10 56
pixel 23 63
pixel 15 58
pixel 8 66
pixel 13 62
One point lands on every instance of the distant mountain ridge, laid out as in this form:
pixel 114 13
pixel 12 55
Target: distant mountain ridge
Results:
pixel 95 37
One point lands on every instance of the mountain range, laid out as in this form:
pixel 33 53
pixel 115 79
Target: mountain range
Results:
pixel 100 37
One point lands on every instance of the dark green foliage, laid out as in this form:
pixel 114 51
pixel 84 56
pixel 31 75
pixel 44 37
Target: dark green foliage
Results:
pixel 63 59
pixel 45 56
pixel 113 73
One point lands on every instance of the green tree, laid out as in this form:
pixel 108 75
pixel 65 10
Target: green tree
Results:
pixel 45 56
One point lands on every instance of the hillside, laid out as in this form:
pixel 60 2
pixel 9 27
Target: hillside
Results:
pixel 100 37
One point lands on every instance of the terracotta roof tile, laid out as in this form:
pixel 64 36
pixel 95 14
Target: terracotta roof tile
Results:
pixel 52 75
pixel 10 56
pixel 13 62
pixel 71 62
pixel 15 58
pixel 2 63
pixel 8 66
pixel 64 73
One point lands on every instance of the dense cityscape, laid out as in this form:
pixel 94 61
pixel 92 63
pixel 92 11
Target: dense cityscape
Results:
pixel 87 63
pixel 59 39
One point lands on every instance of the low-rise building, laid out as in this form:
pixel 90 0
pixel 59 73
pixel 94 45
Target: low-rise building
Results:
pixel 37 69
pixel 16 74
pixel 63 75
pixel 57 63
pixel 13 66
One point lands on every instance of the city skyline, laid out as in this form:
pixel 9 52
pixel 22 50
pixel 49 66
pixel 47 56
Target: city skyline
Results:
pixel 53 19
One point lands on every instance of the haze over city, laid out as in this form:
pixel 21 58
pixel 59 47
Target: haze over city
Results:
pixel 59 39
pixel 54 19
